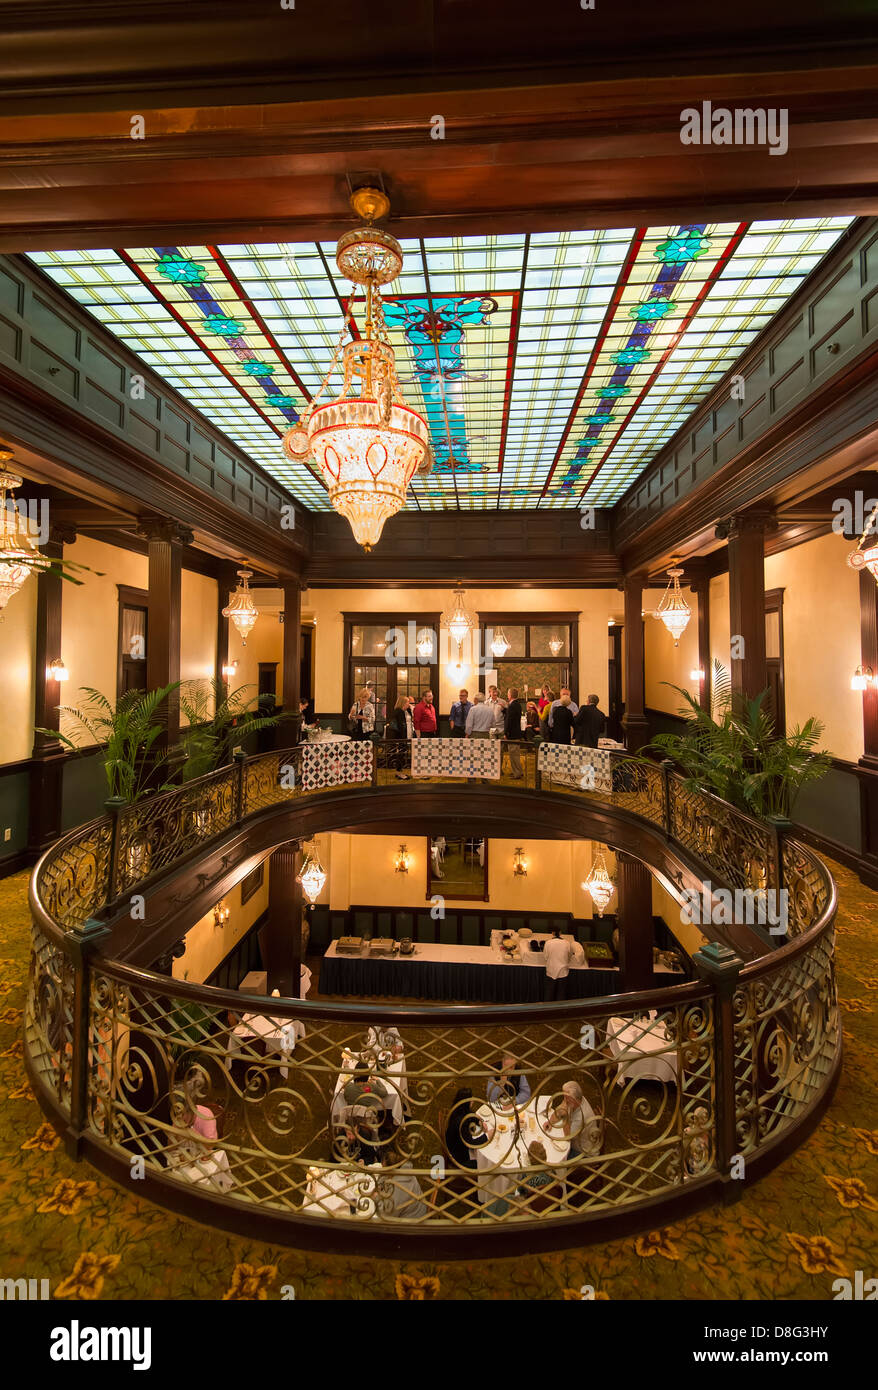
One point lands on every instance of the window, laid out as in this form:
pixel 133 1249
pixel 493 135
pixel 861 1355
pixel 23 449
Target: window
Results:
pixel 382 653
pixel 131 668
pixel 541 652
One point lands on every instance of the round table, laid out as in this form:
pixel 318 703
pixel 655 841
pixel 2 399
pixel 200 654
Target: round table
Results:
pixel 505 1155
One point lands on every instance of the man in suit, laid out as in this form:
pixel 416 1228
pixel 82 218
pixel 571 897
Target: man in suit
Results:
pixel 590 724
pixel 512 716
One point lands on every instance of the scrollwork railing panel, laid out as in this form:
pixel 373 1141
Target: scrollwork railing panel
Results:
pixel 48 1016
pixel 739 849
pixel 73 882
pixel 263 1109
pixel 157 831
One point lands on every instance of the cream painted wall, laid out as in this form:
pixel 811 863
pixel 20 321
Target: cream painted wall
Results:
pixel 207 945
pixel 90 616
pixel 198 595
pixel 663 662
pixel 361 871
pixel 821 626
pixel 666 906
pixel 595 607
pixel 17 637
pixel 720 639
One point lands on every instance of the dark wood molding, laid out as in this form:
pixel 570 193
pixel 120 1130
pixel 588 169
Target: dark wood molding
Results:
pixel 634 720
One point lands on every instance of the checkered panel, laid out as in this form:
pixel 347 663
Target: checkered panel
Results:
pixel 456 757
pixel 588 768
pixel 333 764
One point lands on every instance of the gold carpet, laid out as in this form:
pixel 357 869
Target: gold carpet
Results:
pixel 810 1222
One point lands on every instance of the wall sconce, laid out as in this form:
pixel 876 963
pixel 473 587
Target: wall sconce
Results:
pixel 519 864
pixel 57 671
pixel 221 914
pixel 230 669
pixel 403 860
pixel 697 675
pixel 862 678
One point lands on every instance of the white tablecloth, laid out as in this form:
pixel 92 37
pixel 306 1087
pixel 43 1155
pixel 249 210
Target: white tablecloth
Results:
pixel 205 1170
pixel 332 1190
pixel 279 1034
pixel 394 1079
pixel 474 955
pixel 628 1042
pixel 500 1161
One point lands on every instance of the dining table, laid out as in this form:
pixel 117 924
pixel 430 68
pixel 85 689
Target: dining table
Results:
pixel 330 1191
pixel 280 1035
pixel 509 1131
pixel 643 1050
pixel 392 1075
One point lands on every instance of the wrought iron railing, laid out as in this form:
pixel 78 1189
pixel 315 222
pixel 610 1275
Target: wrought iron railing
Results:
pixel 254 1105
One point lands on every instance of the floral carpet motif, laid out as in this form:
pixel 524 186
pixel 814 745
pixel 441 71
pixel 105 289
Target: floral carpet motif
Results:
pixel 811 1221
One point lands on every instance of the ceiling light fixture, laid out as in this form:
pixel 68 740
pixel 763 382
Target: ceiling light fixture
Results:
pixel 367 442
pixel 17 562
pixel 313 875
pixel 501 644
pixel 673 610
pixel 458 620
pixel 866 553
pixel 424 644
pixel 599 885
pixel 555 645
pixel 242 610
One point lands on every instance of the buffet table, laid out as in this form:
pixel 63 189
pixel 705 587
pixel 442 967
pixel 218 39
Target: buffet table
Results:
pixel 470 973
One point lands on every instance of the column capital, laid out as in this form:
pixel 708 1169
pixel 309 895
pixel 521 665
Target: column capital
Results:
pixel 162 528
pixel 637 579
pixel 755 519
pixel 61 534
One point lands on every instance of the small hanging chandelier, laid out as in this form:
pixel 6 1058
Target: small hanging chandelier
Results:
pixel 599 885
pixel 673 610
pixel 866 553
pixel 555 645
pixel 242 610
pixel 501 644
pixel 368 443
pixel 424 644
pixel 313 875
pixel 17 562
pixel 458 621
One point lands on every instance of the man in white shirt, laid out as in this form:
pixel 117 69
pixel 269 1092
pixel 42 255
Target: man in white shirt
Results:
pixel 558 954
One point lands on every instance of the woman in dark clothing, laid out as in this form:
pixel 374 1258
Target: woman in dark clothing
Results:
pixel 562 721
pixel 464 1130
pixel 532 717
pixel 398 731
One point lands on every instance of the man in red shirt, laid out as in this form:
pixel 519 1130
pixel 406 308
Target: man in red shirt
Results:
pixel 424 717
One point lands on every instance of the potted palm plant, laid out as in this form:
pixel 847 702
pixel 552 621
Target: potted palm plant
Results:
pixel 735 752
pixel 217 721
pixel 127 731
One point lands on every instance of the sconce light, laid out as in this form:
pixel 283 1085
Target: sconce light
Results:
pixel 230 669
pixel 862 678
pixel 697 675
pixel 221 914
pixel 520 864
pixel 402 861
pixel 57 671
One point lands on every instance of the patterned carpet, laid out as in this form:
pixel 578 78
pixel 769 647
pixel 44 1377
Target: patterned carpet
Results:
pixel 809 1222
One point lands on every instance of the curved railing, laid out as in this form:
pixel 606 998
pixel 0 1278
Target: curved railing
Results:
pixel 241 1117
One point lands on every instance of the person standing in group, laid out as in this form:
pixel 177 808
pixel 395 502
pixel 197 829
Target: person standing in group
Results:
pixel 480 720
pixel 589 724
pixel 397 729
pixel 409 716
pixel 558 954
pixel 560 719
pixel 362 716
pixel 424 717
pixel 513 715
pixel 458 716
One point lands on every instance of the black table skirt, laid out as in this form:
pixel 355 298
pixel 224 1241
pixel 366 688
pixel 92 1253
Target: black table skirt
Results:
pixel 496 984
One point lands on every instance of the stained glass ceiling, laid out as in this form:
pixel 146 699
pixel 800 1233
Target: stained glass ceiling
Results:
pixel 551 367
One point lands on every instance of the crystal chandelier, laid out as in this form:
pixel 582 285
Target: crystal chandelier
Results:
pixel 458 621
pixel 673 610
pixel 17 562
pixel 501 644
pixel 367 442
pixel 424 644
pixel 313 875
pixel 599 885
pixel 866 554
pixel 555 645
pixel 242 610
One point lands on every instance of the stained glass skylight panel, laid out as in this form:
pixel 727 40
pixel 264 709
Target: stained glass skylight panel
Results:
pixel 551 367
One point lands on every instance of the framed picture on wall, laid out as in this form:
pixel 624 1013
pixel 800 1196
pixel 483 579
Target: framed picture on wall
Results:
pixel 252 883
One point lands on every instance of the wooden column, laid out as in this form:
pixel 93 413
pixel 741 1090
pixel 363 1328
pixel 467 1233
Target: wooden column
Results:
pixel 292 660
pixel 166 541
pixel 281 937
pixel 48 756
pixel 634 721
pixel 745 533
pixel 225 586
pixel 699 587
pixel 634 920
pixel 867 767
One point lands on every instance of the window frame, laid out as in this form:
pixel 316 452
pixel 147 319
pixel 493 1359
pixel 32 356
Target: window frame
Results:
pixel 387 620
